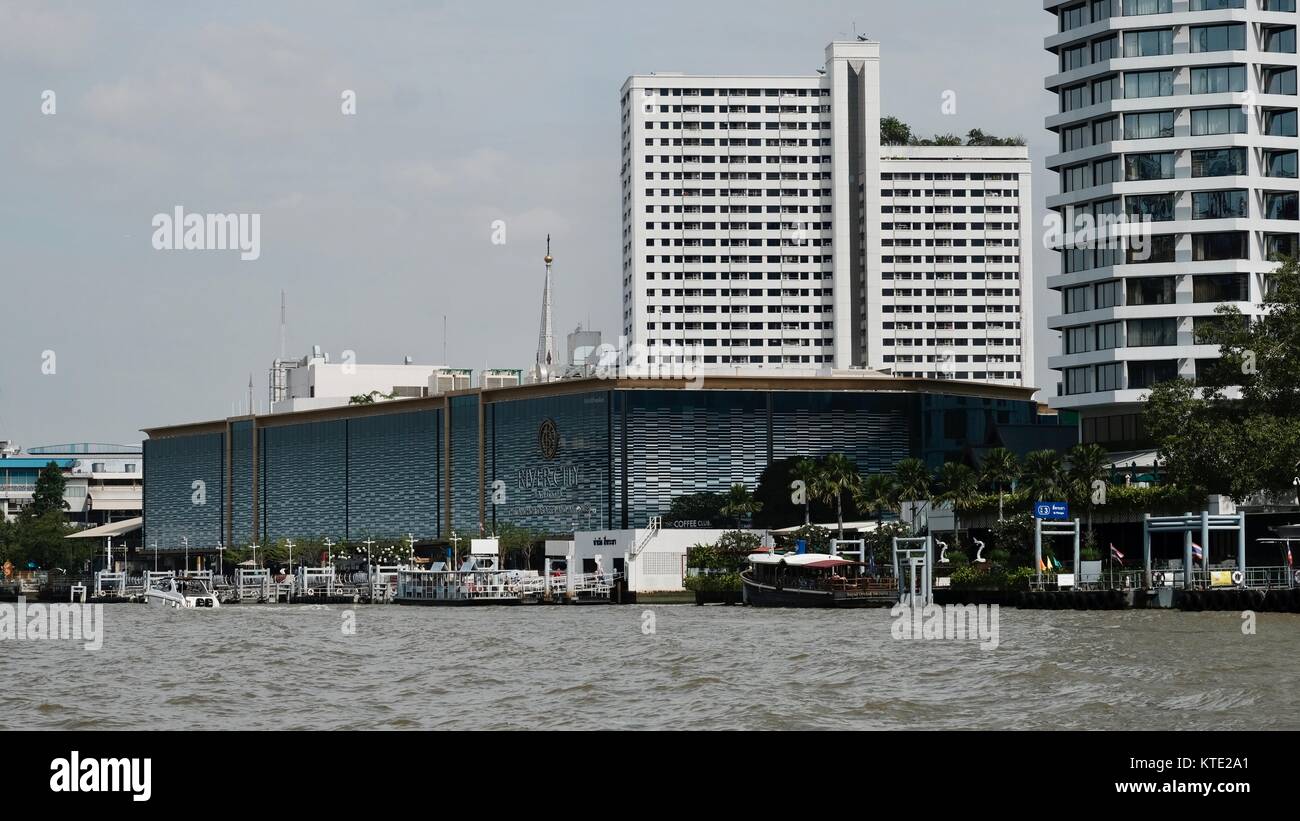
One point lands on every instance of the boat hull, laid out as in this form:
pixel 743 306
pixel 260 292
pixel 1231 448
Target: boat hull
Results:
pixel 762 595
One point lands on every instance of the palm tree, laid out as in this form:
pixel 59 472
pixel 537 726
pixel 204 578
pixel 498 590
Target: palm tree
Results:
pixel 960 488
pixel 1088 463
pixel 838 474
pixel 878 492
pixel 913 479
pixel 806 470
pixel 1000 469
pixel 740 502
pixel 1044 475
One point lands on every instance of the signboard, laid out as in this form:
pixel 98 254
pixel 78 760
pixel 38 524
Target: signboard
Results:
pixel 1065 580
pixel 1051 510
pixel 1220 578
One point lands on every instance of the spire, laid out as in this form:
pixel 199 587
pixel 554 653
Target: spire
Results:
pixel 545 338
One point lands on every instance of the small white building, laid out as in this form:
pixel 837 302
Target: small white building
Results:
pixel 654 559
pixel 315 382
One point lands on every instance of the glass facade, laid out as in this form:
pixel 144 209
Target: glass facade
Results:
pixel 600 458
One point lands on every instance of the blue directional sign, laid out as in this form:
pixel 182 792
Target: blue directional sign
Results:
pixel 1051 510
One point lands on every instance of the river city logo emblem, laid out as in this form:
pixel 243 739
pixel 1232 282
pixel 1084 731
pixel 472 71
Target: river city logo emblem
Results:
pixel 548 438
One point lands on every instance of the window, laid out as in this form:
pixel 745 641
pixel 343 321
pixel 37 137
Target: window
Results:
pixel 1074 97
pixel 1110 377
pixel 1216 79
pixel 1280 122
pixel 1280 164
pixel 1078 299
pixel 1074 138
pixel 1105 171
pixel 1105 89
pixel 1218 121
pixel 1151 290
pixel 1280 205
pixel 1150 43
pixel 1279 81
pixel 1279 5
pixel 1104 131
pixel 1135 7
pixel 1216 5
pixel 1220 288
pixel 1074 178
pixel 1159 248
pixel 1152 333
pixel 1078 340
pixel 1149 374
pixel 1219 162
pixel 1280 39
pixel 1078 380
pixel 1117 428
pixel 1105 49
pixel 1100 9
pixel 1107 293
pixel 1221 245
pixel 1108 336
pixel 1148 84
pixel 1074 17
pixel 1218 205
pixel 1148 125
pixel 1149 166
pixel 1157 207
pixel 1277 246
pixel 1074 57
pixel 1226 37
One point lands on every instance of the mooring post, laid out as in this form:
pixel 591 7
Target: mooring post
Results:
pixel 1187 555
pixel 1205 541
pixel 1241 543
pixel 1077 573
pixel 1038 550
pixel 1146 548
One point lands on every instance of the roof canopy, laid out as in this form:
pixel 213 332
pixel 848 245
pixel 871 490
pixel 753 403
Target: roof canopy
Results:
pixel 111 529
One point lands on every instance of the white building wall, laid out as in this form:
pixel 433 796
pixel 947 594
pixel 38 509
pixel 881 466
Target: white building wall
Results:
pixel 659 567
pixel 1107 353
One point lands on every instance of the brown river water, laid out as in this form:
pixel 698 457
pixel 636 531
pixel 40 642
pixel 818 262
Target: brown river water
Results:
pixel 682 667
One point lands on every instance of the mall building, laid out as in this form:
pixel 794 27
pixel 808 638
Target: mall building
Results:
pixel 566 456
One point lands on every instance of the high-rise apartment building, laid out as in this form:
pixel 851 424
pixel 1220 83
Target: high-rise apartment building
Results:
pixel 1183 113
pixel 764 225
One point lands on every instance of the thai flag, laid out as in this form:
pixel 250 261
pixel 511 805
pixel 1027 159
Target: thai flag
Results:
pixel 1115 554
pixel 1198 553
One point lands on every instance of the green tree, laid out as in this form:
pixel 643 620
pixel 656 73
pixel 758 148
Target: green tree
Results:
pixel 740 503
pixel 959 488
pixel 838 476
pixel 705 506
pixel 894 131
pixel 1210 439
pixel 877 493
pixel 1000 469
pixel 1044 475
pixel 48 496
pixel 913 479
pixel 1087 464
pixel 807 471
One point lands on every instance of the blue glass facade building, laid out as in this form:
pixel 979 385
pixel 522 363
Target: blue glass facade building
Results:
pixel 586 454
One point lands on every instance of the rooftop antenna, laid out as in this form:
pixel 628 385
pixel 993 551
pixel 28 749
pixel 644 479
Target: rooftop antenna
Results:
pixel 282 346
pixel 251 410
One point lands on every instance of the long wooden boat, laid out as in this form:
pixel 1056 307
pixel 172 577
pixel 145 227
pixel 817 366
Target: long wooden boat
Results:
pixel 814 580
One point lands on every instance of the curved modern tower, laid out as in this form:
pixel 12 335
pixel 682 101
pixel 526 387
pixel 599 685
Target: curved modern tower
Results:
pixel 1182 112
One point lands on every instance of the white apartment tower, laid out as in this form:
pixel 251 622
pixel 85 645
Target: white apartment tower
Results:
pixel 1182 112
pixel 764 225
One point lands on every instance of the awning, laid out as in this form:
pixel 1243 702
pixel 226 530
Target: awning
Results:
pixel 862 527
pixel 116 498
pixel 111 529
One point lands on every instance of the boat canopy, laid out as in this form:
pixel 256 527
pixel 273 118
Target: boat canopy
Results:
pixel 819 560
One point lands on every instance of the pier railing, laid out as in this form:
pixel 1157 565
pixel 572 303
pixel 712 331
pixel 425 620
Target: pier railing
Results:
pixel 1255 578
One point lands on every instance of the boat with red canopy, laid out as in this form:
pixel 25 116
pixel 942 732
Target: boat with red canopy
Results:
pixel 814 580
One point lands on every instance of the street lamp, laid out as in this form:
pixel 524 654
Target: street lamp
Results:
pixel 185 540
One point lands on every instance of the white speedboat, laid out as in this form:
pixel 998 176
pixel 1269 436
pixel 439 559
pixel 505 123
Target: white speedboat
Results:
pixel 183 594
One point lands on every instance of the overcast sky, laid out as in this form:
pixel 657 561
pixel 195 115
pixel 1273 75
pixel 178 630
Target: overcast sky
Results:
pixel 379 224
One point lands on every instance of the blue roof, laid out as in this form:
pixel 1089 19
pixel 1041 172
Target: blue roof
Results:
pixel 34 464
pixel 87 447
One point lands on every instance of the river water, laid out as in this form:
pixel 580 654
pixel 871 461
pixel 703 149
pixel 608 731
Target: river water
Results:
pixel 681 667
